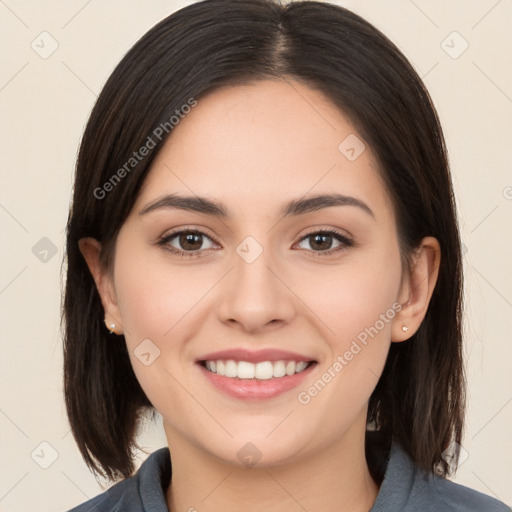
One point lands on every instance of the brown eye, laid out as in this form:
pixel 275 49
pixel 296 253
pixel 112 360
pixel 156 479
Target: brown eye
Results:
pixel 322 242
pixel 186 242
pixel 190 241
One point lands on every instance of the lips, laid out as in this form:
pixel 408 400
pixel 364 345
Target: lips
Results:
pixel 255 389
pixel 264 384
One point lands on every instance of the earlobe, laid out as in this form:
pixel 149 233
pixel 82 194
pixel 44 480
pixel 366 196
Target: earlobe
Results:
pixel 91 250
pixel 417 290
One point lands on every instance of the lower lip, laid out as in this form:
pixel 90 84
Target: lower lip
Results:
pixel 256 389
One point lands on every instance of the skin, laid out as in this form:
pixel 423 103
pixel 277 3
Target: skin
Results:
pixel 253 148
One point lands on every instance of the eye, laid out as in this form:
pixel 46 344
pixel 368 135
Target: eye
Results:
pixel 321 242
pixel 187 242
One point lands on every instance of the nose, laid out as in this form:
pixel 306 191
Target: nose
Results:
pixel 255 296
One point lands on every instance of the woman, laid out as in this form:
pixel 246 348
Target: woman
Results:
pixel 263 248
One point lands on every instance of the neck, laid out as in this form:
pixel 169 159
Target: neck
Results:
pixel 333 479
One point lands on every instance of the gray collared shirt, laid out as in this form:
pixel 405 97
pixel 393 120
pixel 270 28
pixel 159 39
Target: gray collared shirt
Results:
pixel 404 489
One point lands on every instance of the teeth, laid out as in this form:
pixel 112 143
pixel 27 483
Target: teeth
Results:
pixel 231 369
pixel 245 370
pixel 262 371
pixel 301 366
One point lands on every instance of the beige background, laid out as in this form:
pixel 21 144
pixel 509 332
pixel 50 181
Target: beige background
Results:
pixel 44 105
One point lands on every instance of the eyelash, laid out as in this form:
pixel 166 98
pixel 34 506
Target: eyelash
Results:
pixel 164 241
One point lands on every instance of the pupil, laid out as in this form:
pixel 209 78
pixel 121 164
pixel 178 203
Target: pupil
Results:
pixel 319 239
pixel 187 241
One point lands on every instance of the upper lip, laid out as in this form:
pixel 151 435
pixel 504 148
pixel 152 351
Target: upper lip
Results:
pixel 254 356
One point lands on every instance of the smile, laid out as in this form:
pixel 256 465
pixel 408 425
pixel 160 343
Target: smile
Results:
pixel 263 370
pixel 237 381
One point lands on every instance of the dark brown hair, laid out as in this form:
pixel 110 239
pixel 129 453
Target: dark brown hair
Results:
pixel 419 399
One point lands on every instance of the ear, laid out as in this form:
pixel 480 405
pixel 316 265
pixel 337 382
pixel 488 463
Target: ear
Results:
pixel 91 249
pixel 417 288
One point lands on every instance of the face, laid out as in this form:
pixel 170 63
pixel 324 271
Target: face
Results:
pixel 320 282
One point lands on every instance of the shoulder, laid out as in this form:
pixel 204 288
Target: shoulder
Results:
pixel 121 497
pixel 455 497
pixel 145 490
pixel 408 489
pixel 114 499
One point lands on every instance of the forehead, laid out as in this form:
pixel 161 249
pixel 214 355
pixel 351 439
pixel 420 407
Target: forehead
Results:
pixel 254 144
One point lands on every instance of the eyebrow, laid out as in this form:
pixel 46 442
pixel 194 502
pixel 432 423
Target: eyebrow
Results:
pixel 292 208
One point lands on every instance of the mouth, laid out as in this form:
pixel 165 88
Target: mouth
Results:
pixel 263 370
pixel 248 381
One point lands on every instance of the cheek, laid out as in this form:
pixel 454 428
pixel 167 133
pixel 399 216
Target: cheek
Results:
pixel 352 297
pixel 157 304
pixel 357 308
pixel 156 299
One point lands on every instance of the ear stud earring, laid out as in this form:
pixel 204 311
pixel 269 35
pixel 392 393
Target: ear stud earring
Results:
pixel 405 328
pixel 111 327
